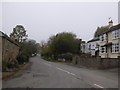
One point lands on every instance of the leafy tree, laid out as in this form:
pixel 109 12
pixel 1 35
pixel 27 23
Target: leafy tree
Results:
pixel 62 43
pixel 19 34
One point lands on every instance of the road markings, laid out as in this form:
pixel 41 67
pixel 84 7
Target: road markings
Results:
pixel 73 74
pixel 98 86
pixel 65 71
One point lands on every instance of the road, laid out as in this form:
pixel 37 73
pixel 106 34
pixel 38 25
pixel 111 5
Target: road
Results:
pixel 44 74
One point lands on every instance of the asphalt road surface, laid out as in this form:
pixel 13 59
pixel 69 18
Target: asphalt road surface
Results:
pixel 44 74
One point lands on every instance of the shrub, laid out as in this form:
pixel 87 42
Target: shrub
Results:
pixel 22 58
pixel 4 65
pixel 66 56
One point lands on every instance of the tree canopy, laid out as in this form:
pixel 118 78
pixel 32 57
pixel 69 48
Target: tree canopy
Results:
pixel 61 43
pixel 19 34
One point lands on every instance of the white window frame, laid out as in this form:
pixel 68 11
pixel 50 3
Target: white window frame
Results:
pixel 115 47
pixel 119 47
pixel 116 34
pixel 119 32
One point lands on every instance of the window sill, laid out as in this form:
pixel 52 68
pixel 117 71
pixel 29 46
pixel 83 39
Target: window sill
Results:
pixel 115 52
pixel 115 38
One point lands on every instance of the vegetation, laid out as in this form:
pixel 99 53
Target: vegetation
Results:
pixel 9 64
pixel 28 48
pixel 63 46
pixel 19 34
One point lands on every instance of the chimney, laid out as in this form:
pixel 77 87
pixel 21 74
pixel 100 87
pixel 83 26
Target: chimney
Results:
pixel 110 23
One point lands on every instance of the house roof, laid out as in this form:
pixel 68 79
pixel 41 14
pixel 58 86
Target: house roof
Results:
pixel 115 27
pixel 8 38
pixel 106 29
pixel 101 30
pixel 94 39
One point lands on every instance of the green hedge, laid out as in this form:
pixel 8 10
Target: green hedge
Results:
pixel 66 56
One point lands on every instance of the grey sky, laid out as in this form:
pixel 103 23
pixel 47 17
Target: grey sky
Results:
pixel 43 19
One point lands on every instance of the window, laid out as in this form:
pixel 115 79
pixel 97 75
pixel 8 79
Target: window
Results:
pixel 119 47
pixel 103 37
pixel 115 47
pixel 89 46
pixel 119 33
pixel 115 34
pixel 97 47
pixel 103 49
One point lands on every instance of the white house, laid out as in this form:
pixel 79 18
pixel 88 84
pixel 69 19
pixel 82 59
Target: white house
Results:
pixel 93 46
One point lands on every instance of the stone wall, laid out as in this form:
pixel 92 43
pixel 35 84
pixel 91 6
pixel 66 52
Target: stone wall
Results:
pixel 9 50
pixel 96 62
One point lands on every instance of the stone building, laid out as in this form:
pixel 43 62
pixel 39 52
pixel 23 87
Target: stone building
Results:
pixel 8 48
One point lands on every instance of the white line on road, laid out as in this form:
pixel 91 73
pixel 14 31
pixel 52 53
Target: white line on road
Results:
pixel 98 86
pixel 72 74
pixel 65 71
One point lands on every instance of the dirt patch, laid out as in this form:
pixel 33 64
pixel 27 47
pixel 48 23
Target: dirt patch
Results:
pixel 16 73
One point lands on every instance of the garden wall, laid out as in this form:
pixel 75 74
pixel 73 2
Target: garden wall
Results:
pixel 96 62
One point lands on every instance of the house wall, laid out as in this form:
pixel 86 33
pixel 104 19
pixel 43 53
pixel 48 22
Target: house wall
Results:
pixel 0 52
pixel 109 37
pixel 113 54
pixel 115 40
pixel 109 48
pixel 102 43
pixel 93 48
pixel 85 47
pixel 9 50
pixel 103 55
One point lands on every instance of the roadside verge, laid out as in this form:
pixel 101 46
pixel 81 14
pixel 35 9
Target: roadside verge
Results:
pixel 9 75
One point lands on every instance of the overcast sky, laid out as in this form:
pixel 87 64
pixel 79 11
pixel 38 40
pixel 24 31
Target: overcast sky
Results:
pixel 44 19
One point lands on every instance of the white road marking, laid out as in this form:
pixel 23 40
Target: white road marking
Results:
pixel 72 74
pixel 65 71
pixel 98 86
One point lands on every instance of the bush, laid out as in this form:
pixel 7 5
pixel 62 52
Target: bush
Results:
pixel 66 56
pixel 4 65
pixel 22 58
